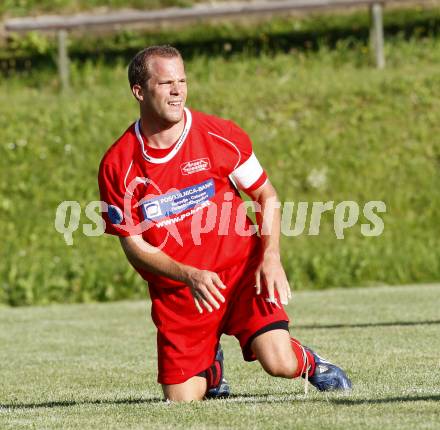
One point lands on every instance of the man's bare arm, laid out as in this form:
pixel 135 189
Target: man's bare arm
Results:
pixel 204 284
pixel 270 272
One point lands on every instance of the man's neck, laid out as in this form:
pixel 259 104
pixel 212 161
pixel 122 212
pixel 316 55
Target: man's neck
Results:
pixel 161 135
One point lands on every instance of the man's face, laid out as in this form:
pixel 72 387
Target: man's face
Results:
pixel 165 92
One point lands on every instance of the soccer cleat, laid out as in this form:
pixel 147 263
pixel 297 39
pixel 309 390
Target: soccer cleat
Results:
pixel 222 389
pixel 327 376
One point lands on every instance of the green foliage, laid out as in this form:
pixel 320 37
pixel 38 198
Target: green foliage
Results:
pixel 94 366
pixel 33 51
pixel 370 133
pixel 12 8
pixel 252 36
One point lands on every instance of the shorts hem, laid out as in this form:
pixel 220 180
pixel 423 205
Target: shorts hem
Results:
pixel 247 352
pixel 170 380
pixel 178 378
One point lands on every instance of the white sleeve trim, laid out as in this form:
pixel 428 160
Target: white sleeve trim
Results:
pixel 248 173
pixel 126 175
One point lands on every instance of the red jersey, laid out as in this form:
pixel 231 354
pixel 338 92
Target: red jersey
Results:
pixel 184 199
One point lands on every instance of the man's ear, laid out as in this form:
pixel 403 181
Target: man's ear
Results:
pixel 138 92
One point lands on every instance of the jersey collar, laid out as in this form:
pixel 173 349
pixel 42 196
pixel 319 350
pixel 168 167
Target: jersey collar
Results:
pixel 177 146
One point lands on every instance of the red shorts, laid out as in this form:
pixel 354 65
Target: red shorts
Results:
pixel 187 340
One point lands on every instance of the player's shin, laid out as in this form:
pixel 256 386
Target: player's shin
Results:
pixel 305 360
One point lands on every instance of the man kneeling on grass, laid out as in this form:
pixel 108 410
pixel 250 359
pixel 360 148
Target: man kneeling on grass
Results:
pixel 170 190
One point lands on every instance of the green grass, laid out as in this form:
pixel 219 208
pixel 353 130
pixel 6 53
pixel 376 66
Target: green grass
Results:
pixel 94 366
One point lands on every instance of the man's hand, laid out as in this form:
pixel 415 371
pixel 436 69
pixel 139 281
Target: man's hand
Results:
pixel 270 272
pixel 205 287
pixel 204 284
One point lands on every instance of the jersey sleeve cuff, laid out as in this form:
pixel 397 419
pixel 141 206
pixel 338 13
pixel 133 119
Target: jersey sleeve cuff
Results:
pixel 258 183
pixel 248 173
pixel 117 232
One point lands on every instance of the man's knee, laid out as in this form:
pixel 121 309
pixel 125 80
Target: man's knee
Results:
pixel 183 397
pixel 280 368
pixel 193 389
pixel 274 352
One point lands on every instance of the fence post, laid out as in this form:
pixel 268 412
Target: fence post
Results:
pixel 63 59
pixel 376 34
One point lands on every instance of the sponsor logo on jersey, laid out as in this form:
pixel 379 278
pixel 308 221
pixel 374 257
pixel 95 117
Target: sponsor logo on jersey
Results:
pixel 178 201
pixel 153 210
pixel 194 166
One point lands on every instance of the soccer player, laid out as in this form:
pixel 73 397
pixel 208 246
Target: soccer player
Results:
pixel 170 191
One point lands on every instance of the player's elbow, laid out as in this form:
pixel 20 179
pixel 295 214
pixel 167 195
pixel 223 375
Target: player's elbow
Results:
pixel 132 248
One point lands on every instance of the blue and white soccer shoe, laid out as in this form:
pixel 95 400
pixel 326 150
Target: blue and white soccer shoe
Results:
pixel 222 389
pixel 327 376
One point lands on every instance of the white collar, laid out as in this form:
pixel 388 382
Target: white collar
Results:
pixel 177 146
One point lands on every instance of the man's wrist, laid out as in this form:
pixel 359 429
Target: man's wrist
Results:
pixel 272 253
pixel 186 273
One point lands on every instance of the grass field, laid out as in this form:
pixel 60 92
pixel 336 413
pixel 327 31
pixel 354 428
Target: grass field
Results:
pixel 94 366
